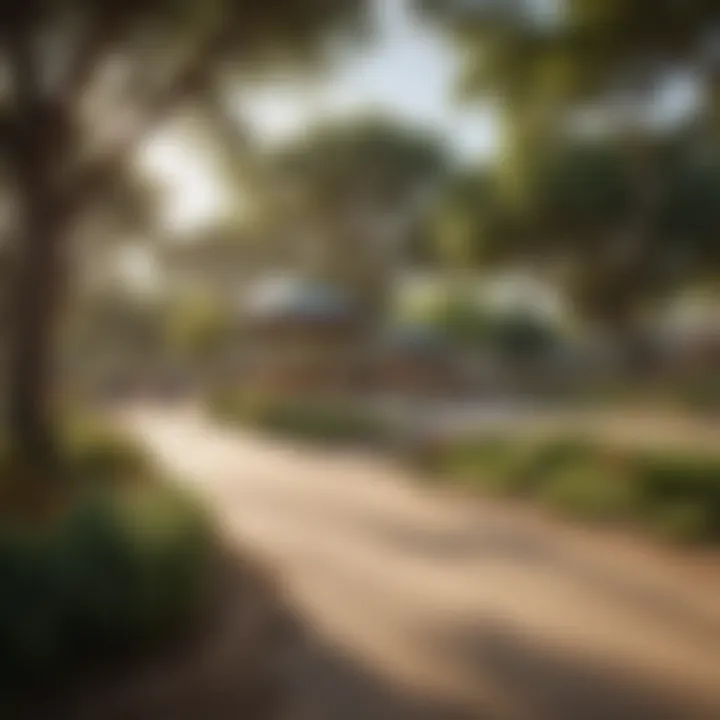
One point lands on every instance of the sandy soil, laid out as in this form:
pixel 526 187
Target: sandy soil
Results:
pixel 422 604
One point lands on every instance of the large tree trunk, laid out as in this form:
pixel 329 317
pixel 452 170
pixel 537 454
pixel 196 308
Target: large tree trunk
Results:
pixel 42 142
pixel 39 278
pixel 35 304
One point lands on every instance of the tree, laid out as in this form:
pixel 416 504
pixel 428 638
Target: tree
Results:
pixel 88 82
pixel 354 192
pixel 580 216
pixel 472 224
pixel 606 210
pixel 581 221
pixel 571 52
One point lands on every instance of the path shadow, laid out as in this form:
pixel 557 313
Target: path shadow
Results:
pixel 541 680
pixel 328 684
pixel 490 535
pixel 507 542
pixel 250 658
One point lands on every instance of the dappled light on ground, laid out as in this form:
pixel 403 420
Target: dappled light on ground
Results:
pixel 417 604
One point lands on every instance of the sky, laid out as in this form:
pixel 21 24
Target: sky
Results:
pixel 407 71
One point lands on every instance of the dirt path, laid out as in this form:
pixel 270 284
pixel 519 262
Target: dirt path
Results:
pixel 423 605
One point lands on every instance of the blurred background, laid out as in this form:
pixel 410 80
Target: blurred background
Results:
pixel 460 259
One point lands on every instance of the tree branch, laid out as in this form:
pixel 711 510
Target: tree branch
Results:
pixel 246 167
pixel 23 124
pixel 186 83
pixel 106 28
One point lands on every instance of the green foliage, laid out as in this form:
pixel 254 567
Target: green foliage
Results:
pixel 678 488
pixel 137 558
pixel 521 336
pixel 473 225
pixel 591 492
pixel 574 50
pixel 573 186
pixel 95 452
pixel 514 466
pixel 675 495
pixel 344 183
pixel 320 420
pixel 68 119
pixel 617 225
pixel 380 159
pixel 627 216
pixel 460 321
pixel 199 329
pixel 491 464
pixel 116 568
pixel 248 35
pixel 558 454
pixel 515 335
pixel 684 522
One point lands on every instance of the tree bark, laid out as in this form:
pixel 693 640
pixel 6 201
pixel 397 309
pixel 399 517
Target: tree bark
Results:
pixel 35 310
pixel 39 278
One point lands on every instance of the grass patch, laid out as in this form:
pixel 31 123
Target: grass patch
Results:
pixel 676 496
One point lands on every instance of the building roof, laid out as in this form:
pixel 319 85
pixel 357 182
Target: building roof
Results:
pixel 289 299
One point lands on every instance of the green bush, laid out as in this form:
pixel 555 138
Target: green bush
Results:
pixel 491 464
pixel 522 335
pixel 590 492
pixel 681 493
pixel 686 522
pixel 554 455
pixel 117 567
pixel 676 495
pixel 324 420
pixel 668 476
pixel 517 467
pixel 95 451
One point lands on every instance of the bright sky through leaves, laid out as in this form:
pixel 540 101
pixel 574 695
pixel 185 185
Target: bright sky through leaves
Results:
pixel 408 71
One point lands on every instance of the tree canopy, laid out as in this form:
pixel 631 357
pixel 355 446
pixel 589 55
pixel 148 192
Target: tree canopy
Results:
pixel 85 84
pixel 354 192
pixel 579 50
pixel 625 213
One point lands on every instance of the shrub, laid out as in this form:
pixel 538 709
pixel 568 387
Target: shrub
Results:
pixel 320 421
pixel 326 420
pixel 555 454
pixel 667 476
pixel 682 493
pixel 513 466
pixel 591 492
pixel 685 522
pixel 491 464
pixel 94 450
pixel 677 495
pixel 116 568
